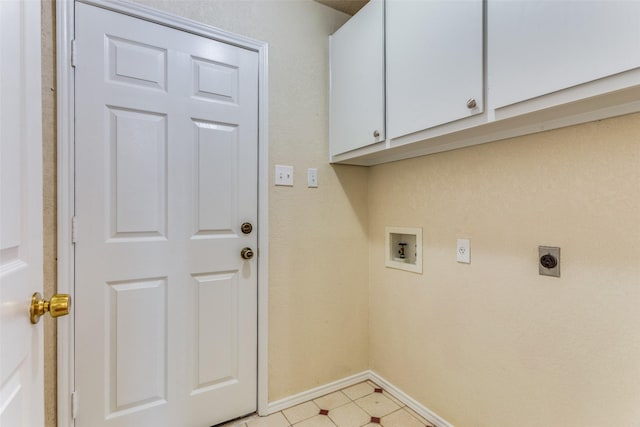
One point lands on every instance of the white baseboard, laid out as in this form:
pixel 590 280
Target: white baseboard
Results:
pixel 314 393
pixel 403 397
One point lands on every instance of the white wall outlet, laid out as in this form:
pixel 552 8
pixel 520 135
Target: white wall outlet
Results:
pixel 463 251
pixel 312 178
pixel 284 175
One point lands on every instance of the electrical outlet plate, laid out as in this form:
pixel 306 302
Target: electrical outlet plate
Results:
pixel 463 251
pixel 284 175
pixel 545 251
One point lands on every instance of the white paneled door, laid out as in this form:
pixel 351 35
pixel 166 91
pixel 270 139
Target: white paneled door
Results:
pixel 166 175
pixel 21 343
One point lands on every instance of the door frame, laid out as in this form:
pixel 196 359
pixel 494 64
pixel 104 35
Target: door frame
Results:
pixel 65 34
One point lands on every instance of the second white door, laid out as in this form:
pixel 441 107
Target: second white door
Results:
pixel 166 174
pixel 21 343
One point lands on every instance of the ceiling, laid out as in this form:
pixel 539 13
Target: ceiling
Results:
pixel 349 7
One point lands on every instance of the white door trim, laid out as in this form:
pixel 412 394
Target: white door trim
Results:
pixel 66 200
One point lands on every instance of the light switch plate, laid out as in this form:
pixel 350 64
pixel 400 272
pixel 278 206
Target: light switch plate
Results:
pixel 463 251
pixel 284 175
pixel 312 178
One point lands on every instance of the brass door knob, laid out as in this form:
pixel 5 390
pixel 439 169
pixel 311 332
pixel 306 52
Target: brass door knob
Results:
pixel 59 305
pixel 246 253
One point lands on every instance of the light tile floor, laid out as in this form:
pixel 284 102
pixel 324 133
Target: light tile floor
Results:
pixel 364 404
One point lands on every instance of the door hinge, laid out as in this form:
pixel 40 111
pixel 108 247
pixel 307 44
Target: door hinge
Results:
pixel 74 405
pixel 73 53
pixel 74 230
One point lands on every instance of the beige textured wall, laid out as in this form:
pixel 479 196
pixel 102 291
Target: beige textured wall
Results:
pixel 493 343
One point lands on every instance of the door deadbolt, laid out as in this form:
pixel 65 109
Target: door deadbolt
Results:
pixel 246 227
pixel 246 253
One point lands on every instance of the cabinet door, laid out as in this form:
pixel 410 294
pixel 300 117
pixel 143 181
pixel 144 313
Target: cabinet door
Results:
pixel 357 80
pixel 434 63
pixel 539 47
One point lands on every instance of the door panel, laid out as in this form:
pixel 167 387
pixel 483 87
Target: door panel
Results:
pixel 166 172
pixel 137 63
pixel 217 326
pixel 138 381
pixel 138 152
pixel 215 81
pixel 21 343
pixel 216 173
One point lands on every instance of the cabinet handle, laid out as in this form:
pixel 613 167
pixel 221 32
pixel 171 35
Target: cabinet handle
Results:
pixel 471 103
pixel 376 134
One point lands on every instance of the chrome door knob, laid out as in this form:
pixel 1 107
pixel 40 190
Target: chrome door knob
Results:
pixel 471 103
pixel 246 253
pixel 376 134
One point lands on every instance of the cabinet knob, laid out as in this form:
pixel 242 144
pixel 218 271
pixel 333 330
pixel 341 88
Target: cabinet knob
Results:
pixel 471 103
pixel 376 134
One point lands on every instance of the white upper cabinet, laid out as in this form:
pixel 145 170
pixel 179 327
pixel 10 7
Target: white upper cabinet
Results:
pixel 537 48
pixel 357 81
pixel 467 72
pixel 434 63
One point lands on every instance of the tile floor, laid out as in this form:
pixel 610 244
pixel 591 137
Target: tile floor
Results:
pixel 364 404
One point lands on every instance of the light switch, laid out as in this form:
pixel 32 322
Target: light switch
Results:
pixel 284 175
pixel 312 178
pixel 463 251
